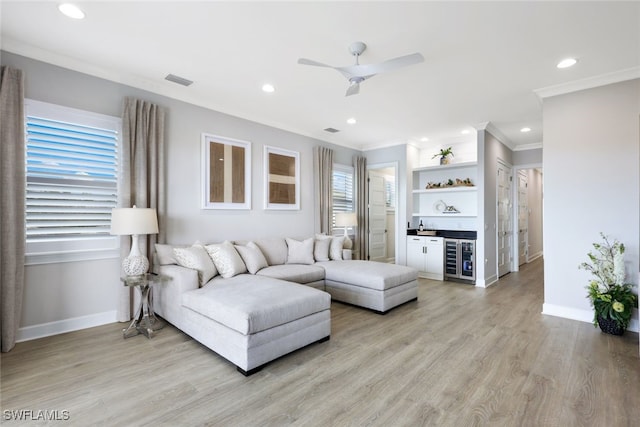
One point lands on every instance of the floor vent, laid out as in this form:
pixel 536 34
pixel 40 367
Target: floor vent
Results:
pixel 177 79
pixel 331 130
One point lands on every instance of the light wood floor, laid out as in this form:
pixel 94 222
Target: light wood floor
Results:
pixel 460 356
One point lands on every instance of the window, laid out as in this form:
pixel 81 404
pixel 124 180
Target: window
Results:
pixel 390 191
pixel 72 182
pixel 342 185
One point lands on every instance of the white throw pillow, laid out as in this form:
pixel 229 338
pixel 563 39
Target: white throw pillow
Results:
pixel 321 247
pixel 335 250
pixel 300 252
pixel 196 258
pixel 252 257
pixel 226 259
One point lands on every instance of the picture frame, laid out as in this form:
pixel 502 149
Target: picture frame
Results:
pixel 226 173
pixel 281 179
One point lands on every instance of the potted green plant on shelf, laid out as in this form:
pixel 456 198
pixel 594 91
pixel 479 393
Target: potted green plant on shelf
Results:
pixel 612 299
pixel 445 154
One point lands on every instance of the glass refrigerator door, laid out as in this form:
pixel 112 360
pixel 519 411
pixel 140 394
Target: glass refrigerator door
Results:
pixel 451 257
pixel 468 256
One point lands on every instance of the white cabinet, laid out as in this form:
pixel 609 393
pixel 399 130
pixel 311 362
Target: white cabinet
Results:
pixel 426 254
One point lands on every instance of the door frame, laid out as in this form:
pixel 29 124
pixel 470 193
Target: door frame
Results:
pixel 514 244
pixel 393 165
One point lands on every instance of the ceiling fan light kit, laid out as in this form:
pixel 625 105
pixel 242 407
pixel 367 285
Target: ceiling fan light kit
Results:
pixel 358 73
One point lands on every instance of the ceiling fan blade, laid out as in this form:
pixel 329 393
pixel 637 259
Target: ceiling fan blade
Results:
pixel 399 62
pixel 353 89
pixel 305 61
pixel 369 70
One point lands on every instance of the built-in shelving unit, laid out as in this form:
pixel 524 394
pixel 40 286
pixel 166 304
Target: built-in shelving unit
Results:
pixel 429 202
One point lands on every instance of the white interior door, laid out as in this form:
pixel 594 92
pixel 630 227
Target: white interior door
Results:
pixel 504 223
pixel 377 218
pixel 523 217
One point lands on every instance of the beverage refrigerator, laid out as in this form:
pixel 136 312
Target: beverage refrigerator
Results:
pixel 459 259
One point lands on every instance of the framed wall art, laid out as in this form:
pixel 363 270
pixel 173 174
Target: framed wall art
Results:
pixel 226 173
pixel 282 179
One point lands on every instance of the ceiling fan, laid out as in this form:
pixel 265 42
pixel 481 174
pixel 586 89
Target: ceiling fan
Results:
pixel 358 73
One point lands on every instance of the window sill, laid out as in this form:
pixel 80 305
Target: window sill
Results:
pixel 77 256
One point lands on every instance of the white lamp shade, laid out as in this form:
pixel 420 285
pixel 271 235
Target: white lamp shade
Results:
pixel 346 219
pixel 134 221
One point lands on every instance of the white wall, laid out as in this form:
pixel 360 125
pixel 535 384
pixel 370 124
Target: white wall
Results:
pixel 591 185
pixel 527 157
pixel 72 295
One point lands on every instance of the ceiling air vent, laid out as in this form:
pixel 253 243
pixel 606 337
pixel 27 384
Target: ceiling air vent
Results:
pixel 331 130
pixel 177 79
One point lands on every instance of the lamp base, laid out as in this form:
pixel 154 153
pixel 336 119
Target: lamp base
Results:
pixel 135 265
pixel 348 244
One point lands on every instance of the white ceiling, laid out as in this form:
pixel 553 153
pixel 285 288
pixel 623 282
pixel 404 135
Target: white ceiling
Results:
pixel 483 60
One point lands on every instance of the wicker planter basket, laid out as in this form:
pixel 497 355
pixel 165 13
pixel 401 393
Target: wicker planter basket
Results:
pixel 609 326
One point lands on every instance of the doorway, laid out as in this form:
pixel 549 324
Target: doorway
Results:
pixel 527 213
pixel 382 188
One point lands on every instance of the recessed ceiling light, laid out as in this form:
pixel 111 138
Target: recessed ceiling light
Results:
pixel 351 121
pixel 268 88
pixel 71 10
pixel 525 130
pixel 424 139
pixel 566 63
pixel 465 132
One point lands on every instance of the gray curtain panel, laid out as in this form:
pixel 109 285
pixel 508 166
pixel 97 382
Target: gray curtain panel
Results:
pixel 323 172
pixel 12 197
pixel 361 196
pixel 142 180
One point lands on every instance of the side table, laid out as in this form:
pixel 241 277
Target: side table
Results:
pixel 144 321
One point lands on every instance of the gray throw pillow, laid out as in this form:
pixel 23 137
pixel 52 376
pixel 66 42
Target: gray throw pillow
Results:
pixel 252 257
pixel 335 251
pixel 300 252
pixel 321 247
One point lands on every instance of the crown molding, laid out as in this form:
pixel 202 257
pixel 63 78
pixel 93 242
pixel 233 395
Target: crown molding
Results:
pixel 589 82
pixel 525 147
pixel 490 127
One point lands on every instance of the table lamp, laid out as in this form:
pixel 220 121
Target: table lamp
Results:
pixel 346 220
pixel 134 222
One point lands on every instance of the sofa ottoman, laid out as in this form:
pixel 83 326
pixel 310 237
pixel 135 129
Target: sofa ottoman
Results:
pixel 251 320
pixel 374 285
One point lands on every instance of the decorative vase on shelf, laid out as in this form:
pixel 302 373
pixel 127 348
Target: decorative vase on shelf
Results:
pixel 610 326
pixel 444 160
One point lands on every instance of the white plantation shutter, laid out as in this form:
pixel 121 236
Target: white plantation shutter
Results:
pixel 342 186
pixel 72 179
pixel 390 192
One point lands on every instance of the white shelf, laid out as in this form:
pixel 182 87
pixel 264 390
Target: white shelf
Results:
pixel 446 190
pixel 446 167
pixel 451 215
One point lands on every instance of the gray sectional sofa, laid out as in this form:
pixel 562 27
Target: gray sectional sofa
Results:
pixel 252 302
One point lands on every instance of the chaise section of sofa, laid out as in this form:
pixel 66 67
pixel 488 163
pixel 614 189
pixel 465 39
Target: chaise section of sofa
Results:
pixel 249 320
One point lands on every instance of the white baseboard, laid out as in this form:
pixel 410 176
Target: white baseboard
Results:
pixel 485 283
pixel 67 325
pixel 581 315
pixel 534 257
